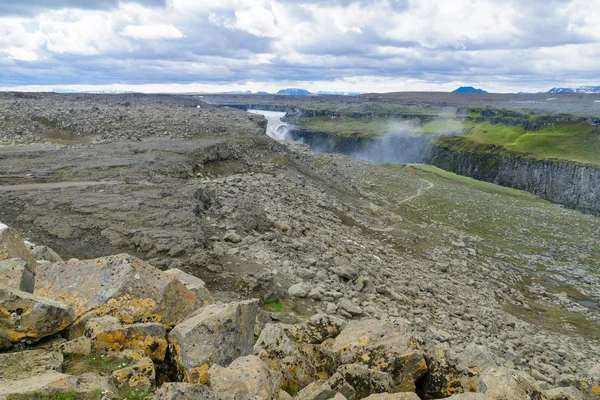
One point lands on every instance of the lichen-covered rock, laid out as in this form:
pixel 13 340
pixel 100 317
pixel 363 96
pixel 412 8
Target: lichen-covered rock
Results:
pixel 108 335
pixel 382 345
pixel 245 378
pixel 298 363
pixel 139 292
pixel 218 334
pixel 138 376
pixel 318 329
pixel 26 317
pixel 327 389
pixel 194 284
pixel 82 345
pixel 366 381
pixel 33 371
pixel 470 396
pixel 504 383
pixel 445 379
pixel 184 391
pixel 12 246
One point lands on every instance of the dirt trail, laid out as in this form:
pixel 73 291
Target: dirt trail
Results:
pixel 419 191
pixel 53 185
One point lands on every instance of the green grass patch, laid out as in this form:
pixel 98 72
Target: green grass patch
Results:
pixel 570 141
pixel 71 395
pixel 274 306
pixel 76 363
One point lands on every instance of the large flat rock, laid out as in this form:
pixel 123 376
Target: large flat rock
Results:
pixel 117 285
pixel 12 246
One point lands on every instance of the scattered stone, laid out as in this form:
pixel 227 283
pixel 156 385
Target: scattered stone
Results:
pixel 232 237
pixel 502 382
pixel 218 334
pixel 82 345
pixel 350 307
pixel 300 289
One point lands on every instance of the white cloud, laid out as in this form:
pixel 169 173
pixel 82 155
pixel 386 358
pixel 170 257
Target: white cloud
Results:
pixel 152 32
pixel 427 44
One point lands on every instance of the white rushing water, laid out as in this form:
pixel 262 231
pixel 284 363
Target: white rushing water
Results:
pixel 276 128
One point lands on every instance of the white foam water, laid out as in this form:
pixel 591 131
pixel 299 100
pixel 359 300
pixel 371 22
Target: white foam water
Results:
pixel 276 128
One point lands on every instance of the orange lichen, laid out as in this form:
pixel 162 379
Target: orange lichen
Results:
pixel 200 374
pixel 596 390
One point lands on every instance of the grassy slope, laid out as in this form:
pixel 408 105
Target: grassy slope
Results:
pixel 571 141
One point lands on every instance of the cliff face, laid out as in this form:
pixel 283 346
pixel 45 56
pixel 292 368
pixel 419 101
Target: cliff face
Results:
pixel 573 185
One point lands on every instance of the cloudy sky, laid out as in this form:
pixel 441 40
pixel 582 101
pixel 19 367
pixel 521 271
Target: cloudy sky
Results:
pixel 362 45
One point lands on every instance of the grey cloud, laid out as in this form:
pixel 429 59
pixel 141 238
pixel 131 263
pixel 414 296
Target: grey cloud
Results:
pixel 33 7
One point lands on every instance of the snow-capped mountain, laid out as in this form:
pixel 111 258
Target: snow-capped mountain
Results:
pixel 581 89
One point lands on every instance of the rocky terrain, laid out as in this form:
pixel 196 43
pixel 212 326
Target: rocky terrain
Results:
pixel 257 269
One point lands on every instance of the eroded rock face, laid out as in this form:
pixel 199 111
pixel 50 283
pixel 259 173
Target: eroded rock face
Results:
pixel 123 286
pixel 139 375
pixel 322 390
pixel 382 345
pixel 245 378
pixel 218 334
pixel 366 381
pixel 12 246
pixel 27 317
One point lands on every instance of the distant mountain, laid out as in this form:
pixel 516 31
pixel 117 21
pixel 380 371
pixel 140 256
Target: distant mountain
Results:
pixel 468 89
pixel 329 93
pixel 295 92
pixel 581 89
pixel 263 93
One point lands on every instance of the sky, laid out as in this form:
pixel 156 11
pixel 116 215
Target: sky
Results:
pixel 329 45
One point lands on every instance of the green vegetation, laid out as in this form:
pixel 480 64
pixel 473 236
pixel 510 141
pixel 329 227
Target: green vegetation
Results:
pixel 517 133
pixel 137 395
pixel 571 141
pixel 70 395
pixel 274 306
pixel 74 363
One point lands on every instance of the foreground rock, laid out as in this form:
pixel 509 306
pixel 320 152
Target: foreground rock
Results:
pixel 33 371
pixel 25 317
pixel 218 334
pixel 383 345
pixel 123 286
pixel 246 378
pixel 12 246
